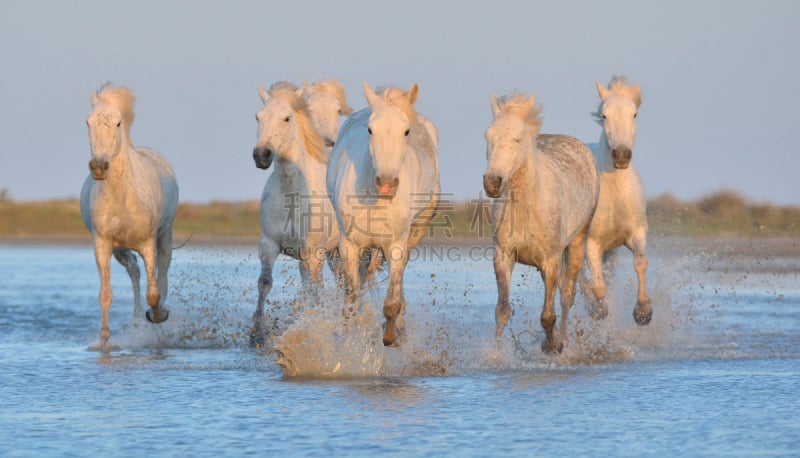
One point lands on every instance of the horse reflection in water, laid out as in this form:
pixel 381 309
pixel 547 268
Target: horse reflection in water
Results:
pixel 545 188
pixel 128 203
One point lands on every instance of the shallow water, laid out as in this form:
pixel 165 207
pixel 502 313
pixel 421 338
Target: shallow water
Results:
pixel 717 372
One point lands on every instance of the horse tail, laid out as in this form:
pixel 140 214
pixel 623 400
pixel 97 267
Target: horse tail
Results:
pixel 184 243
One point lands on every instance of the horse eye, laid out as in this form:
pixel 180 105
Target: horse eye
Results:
pixel 604 116
pixel 287 118
pixel 407 131
pixel 635 115
pixel 119 123
pixel 339 112
pixel 369 130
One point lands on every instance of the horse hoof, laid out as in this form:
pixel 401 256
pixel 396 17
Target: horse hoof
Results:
pixel 257 340
pixel 160 318
pixel 349 312
pixel 390 335
pixel 642 316
pixel 103 347
pixel 551 348
pixel 599 312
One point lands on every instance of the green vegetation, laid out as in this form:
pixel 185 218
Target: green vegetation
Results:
pixel 722 214
pixel 725 213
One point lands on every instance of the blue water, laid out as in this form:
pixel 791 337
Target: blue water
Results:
pixel 716 373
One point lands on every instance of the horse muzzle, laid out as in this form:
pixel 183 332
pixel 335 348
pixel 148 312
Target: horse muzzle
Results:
pixel 386 188
pixel 262 157
pixel 622 157
pixel 99 168
pixel 493 185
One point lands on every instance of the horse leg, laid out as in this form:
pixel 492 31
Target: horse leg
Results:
pixel 335 264
pixel 575 254
pixel 550 275
pixel 503 267
pixel 268 251
pixel 350 266
pixel 102 255
pixel 594 257
pixel 311 273
pixel 643 312
pixel 148 253
pixel 128 260
pixel 163 261
pixel 395 304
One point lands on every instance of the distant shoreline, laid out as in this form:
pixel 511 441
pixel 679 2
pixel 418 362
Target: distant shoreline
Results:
pixel 730 245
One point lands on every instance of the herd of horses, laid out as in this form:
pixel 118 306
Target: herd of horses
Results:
pixel 361 196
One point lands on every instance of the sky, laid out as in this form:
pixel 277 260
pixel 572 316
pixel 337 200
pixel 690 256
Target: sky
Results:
pixel 718 78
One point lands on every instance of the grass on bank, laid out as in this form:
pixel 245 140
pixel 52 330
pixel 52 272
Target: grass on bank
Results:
pixel 722 214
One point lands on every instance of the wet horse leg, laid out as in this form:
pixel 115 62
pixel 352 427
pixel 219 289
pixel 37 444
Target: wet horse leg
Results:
pixel 148 253
pixel 503 267
pixel 594 257
pixel 643 312
pixel 311 274
pixel 550 276
pixel 102 254
pixel 350 263
pixel 128 260
pixel 575 254
pixel 267 252
pixel 395 303
pixel 163 261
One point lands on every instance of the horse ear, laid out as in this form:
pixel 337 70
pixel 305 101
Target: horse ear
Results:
pixel 413 93
pixel 306 88
pixel 601 90
pixel 369 94
pixel 94 98
pixel 638 90
pixel 263 93
pixel 346 110
pixel 495 105
pixel 532 101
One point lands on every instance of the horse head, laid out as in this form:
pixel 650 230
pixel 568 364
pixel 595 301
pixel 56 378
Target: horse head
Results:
pixel 389 128
pixel 326 103
pixel 509 140
pixel 285 127
pixel 619 105
pixel 109 127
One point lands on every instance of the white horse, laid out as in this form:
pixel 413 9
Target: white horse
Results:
pixel 297 218
pixel 621 216
pixel 128 203
pixel 327 102
pixel 545 188
pixel 383 179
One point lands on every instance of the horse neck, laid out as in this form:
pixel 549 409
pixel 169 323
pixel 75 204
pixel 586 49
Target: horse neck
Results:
pixel 300 171
pixel 122 180
pixel 525 180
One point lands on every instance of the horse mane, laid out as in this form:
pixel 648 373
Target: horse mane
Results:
pixel 398 98
pixel 521 106
pixel 120 98
pixel 336 89
pixel 619 85
pixel 288 92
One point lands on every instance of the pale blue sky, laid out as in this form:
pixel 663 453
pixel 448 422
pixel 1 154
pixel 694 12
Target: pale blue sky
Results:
pixel 719 82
